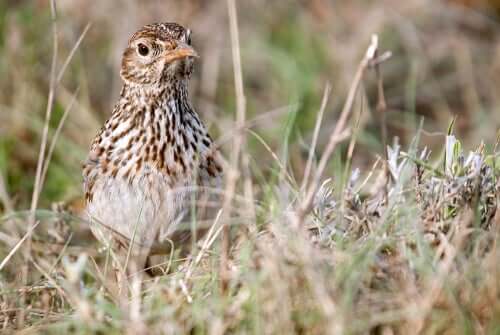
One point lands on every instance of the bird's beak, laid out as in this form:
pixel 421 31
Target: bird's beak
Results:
pixel 182 51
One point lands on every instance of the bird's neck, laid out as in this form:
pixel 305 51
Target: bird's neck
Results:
pixel 152 95
pixel 162 106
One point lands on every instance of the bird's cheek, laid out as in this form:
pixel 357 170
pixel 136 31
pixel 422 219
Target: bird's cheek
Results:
pixel 166 69
pixel 126 73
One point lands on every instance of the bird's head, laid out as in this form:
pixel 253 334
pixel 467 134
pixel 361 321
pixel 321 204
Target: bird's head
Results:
pixel 158 53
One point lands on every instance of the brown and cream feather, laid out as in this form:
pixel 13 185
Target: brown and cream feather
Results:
pixel 154 150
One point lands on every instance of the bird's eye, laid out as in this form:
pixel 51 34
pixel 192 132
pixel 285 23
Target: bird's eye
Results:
pixel 142 49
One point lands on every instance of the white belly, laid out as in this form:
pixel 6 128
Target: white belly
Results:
pixel 142 211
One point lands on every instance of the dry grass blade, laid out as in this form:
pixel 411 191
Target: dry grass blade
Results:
pixel 259 120
pixel 56 135
pixel 381 110
pixel 275 157
pixel 368 60
pixel 48 113
pixel 209 239
pixel 41 154
pixel 317 127
pixel 43 160
pixel 232 174
pixel 4 196
pixel 434 287
pixel 72 52
pixel 17 246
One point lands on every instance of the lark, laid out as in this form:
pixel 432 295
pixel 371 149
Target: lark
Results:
pixel 154 152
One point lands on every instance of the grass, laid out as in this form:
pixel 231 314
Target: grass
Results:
pixel 398 243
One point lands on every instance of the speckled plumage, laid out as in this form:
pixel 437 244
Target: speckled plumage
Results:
pixel 154 148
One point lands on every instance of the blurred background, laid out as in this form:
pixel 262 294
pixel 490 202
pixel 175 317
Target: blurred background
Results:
pixel 446 63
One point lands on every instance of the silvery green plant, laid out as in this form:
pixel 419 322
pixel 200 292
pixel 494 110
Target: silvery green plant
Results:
pixel 465 181
pixel 461 181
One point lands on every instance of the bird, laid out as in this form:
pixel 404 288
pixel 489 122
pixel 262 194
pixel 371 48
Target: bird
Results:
pixel 154 152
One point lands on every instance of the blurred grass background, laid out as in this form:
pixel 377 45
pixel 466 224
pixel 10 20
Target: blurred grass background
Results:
pixel 446 62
